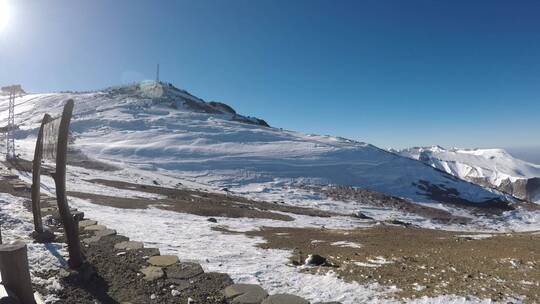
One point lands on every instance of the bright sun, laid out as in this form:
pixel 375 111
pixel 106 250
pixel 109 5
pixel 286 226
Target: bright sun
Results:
pixel 4 14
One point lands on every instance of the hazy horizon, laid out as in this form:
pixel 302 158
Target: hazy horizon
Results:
pixel 530 154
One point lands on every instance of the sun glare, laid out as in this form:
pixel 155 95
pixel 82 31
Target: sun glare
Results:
pixel 4 14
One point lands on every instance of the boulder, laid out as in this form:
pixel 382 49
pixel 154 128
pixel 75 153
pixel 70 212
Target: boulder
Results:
pixel 245 294
pixel 315 260
pixel 45 236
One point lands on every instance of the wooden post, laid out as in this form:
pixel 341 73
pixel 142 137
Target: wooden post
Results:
pixel 36 173
pixel 15 272
pixel 71 226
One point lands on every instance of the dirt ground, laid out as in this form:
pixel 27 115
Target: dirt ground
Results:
pixel 111 278
pixel 421 262
pixel 198 202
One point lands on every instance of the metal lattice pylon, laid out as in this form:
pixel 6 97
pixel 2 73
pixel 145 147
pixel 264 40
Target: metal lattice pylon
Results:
pixel 13 91
pixel 10 134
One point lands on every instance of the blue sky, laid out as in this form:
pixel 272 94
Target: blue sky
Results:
pixel 392 73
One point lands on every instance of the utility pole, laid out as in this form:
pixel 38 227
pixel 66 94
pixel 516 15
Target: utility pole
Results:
pixel 157 73
pixel 13 91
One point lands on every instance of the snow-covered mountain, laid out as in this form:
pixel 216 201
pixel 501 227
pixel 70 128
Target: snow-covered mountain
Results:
pixel 487 167
pixel 162 128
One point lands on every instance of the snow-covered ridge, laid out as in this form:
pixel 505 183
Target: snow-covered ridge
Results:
pixel 159 127
pixel 492 167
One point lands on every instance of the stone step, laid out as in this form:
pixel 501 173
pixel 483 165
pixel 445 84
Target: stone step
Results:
pixel 98 235
pixel 163 260
pixel 15 181
pixel 105 232
pixel 78 215
pixel 184 271
pixel 95 227
pixel 284 299
pixel 21 188
pixel 48 210
pixel 152 273
pixel 90 240
pixel 245 294
pixel 86 223
pixel 129 245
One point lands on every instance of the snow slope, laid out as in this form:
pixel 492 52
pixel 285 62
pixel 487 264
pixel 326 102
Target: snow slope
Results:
pixel 494 167
pixel 159 127
pixel 17 227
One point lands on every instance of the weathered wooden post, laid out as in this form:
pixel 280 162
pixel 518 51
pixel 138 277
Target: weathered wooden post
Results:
pixel 36 174
pixel 15 272
pixel 71 226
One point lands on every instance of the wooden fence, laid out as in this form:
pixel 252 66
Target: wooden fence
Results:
pixel 53 142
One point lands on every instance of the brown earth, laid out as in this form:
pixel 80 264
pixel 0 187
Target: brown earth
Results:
pixel 421 262
pixel 377 199
pixel 111 278
pixel 197 202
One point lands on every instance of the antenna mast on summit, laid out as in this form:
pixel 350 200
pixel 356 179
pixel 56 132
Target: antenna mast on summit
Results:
pixel 157 73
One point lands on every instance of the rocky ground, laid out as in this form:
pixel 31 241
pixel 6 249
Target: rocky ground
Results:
pixel 421 262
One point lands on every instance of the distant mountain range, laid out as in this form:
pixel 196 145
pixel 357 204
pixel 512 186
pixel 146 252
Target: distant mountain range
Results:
pixel 494 168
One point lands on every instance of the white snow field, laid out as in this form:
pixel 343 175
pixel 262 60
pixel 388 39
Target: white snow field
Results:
pixel 17 225
pixel 162 134
pixel 495 165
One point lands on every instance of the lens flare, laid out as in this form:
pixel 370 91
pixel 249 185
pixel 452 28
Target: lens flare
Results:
pixel 4 14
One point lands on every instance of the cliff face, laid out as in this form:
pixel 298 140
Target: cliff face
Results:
pixel 490 168
pixel 525 189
